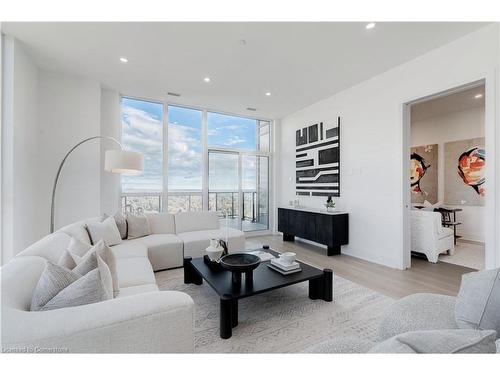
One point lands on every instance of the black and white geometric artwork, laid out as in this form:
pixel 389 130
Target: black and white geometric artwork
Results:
pixel 318 160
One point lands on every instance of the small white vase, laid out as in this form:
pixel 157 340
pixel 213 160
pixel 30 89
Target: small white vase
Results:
pixel 214 251
pixel 330 209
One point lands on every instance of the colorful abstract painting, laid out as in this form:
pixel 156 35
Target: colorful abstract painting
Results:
pixel 424 174
pixel 465 163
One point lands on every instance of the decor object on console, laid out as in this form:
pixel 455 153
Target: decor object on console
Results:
pixel 115 161
pixel 318 160
pixel 465 171
pixel 424 173
pixel 330 204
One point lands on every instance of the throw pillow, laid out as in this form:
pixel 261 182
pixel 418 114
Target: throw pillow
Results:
pixel 478 301
pixel 87 289
pixel 121 223
pixel 105 230
pixel 446 341
pixel 89 261
pixel 54 278
pixel 78 247
pixel 66 260
pixel 138 226
pixel 106 278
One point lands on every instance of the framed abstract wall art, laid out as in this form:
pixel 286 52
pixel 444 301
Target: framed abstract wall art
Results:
pixel 464 177
pixel 317 159
pixel 424 174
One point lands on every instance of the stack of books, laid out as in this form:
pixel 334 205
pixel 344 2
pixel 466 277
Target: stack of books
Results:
pixel 284 268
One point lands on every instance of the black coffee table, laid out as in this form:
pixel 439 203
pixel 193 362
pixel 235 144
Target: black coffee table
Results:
pixel 264 280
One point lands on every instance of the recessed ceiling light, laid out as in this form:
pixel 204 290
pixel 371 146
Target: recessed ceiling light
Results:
pixel 371 25
pixel 268 94
pixel 123 59
pixel 243 42
pixel 251 109
pixel 206 79
pixel 478 96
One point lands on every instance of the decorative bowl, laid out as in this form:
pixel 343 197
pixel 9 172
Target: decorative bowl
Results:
pixel 240 262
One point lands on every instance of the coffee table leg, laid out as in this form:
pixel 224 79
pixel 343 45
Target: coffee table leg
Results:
pixel 190 275
pixel 226 316
pixel 234 313
pixel 322 287
pixel 327 285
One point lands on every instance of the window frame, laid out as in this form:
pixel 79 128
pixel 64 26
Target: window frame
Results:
pixel 204 140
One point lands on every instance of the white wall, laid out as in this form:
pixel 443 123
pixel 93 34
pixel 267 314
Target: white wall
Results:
pixel 451 127
pixel 20 141
pixel 372 139
pixel 44 114
pixel 110 126
pixel 69 111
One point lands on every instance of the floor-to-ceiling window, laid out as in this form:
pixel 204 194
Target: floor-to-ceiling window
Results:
pixel 142 131
pixel 198 160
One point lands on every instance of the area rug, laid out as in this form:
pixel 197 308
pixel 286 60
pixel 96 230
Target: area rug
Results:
pixel 284 320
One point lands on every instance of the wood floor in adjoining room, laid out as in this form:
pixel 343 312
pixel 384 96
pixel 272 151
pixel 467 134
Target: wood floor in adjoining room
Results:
pixel 423 276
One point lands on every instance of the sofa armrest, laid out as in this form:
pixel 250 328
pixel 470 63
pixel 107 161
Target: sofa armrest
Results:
pixel 418 312
pixel 151 322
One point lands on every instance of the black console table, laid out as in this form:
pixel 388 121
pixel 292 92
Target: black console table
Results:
pixel 327 228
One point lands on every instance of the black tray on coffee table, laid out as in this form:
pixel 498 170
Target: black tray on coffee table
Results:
pixel 264 280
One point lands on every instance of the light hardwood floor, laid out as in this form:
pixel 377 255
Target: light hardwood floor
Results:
pixel 443 278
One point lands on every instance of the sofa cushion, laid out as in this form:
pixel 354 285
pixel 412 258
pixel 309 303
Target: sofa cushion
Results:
pixel 19 279
pixel 50 247
pixel 446 341
pixel 53 279
pixel 478 301
pixel 416 312
pixel 164 250
pixel 130 248
pixel 196 221
pixel 105 230
pixel 196 242
pixel 134 271
pixel 121 224
pixel 161 222
pixel 87 289
pixel 78 230
pixel 138 226
pixel 139 289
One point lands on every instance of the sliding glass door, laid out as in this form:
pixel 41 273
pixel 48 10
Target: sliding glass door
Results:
pixel 238 188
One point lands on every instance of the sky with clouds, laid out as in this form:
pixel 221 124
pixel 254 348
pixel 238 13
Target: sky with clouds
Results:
pixel 142 131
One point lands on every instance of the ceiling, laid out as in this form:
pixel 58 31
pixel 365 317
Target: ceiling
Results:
pixel 298 63
pixel 443 105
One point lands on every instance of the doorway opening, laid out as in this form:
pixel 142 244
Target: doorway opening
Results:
pixel 447 175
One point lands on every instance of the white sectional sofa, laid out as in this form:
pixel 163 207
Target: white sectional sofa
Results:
pixel 140 318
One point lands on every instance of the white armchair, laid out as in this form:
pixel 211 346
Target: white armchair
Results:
pixel 428 236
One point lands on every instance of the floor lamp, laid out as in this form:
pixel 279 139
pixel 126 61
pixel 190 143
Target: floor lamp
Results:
pixel 115 161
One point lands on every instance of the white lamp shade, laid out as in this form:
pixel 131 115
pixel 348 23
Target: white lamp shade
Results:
pixel 124 162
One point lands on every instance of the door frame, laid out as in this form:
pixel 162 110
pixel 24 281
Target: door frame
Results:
pixel 492 248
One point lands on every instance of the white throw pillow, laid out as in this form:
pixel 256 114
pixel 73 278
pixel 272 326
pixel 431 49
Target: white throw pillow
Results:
pixel 106 230
pixel 78 247
pixel 138 226
pixel 54 278
pixel 85 290
pixel 89 261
